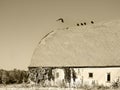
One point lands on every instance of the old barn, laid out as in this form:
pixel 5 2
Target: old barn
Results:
pixel 79 55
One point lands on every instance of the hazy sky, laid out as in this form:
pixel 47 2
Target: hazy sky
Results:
pixel 24 22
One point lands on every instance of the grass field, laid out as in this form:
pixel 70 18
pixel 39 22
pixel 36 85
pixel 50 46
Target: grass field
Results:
pixel 24 87
pixel 51 89
pixel 39 89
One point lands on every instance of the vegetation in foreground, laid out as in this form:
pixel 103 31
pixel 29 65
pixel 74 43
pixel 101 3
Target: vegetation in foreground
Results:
pixel 13 76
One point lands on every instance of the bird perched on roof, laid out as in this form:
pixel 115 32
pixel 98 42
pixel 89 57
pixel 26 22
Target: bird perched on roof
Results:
pixel 92 22
pixel 60 19
pixel 78 24
pixel 82 24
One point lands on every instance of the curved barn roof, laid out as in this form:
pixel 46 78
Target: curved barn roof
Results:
pixel 92 45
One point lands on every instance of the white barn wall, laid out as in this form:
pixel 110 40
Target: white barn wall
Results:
pixel 99 75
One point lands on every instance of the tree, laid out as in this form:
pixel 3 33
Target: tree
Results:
pixel 67 75
pixel 1 70
pixel 50 75
pixel 24 76
pixel 5 77
pixel 74 75
pixel 12 78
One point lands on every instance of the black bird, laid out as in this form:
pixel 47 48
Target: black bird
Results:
pixel 60 19
pixel 92 22
pixel 78 24
pixel 84 23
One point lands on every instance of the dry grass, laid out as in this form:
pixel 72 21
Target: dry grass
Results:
pixel 28 87
pixel 33 88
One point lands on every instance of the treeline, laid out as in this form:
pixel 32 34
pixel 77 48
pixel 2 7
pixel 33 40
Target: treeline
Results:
pixel 13 76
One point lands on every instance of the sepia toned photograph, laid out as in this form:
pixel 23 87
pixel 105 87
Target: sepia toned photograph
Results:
pixel 59 44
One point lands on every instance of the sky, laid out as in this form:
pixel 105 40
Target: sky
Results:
pixel 24 22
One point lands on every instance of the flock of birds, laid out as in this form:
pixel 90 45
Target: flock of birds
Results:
pixel 84 23
pixel 61 20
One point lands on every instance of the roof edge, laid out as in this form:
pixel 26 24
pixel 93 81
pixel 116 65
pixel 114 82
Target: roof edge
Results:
pixel 112 66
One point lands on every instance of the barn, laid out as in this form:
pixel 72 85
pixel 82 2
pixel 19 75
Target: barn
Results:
pixel 79 55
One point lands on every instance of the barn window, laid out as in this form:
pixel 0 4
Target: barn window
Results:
pixel 90 75
pixel 57 75
pixel 108 77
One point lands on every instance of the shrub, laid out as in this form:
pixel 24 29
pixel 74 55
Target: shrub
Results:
pixel 116 84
